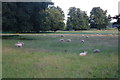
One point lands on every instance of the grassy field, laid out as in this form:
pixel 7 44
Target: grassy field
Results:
pixel 43 56
pixel 104 32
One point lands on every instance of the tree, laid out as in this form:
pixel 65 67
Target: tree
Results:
pixel 117 23
pixel 54 18
pixel 77 19
pixel 38 16
pixel 23 16
pixel 98 18
pixel 8 18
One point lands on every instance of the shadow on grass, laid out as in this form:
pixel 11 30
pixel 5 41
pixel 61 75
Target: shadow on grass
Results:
pixel 42 32
pixel 17 37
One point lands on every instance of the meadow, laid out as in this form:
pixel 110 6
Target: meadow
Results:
pixel 44 56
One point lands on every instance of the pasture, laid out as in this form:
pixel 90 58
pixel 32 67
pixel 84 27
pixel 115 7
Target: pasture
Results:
pixel 44 56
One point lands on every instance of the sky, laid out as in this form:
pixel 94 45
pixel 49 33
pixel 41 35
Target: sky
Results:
pixel 86 5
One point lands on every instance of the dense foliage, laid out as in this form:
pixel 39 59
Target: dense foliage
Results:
pixel 54 19
pixel 117 23
pixel 39 16
pixel 77 19
pixel 31 16
pixel 99 18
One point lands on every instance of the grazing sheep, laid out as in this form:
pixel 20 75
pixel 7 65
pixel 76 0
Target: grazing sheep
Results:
pixel 68 40
pixel 61 40
pixel 111 34
pixel 83 35
pixel 19 44
pixel 96 51
pixel 22 43
pixel 62 35
pixel 83 53
pixel 97 33
pixel 87 36
pixel 82 41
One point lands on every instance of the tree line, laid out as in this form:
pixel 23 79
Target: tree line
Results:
pixel 40 16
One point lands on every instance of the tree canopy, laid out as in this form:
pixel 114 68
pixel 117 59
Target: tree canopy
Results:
pixel 54 18
pixel 31 16
pixel 77 19
pixel 99 18
pixel 39 16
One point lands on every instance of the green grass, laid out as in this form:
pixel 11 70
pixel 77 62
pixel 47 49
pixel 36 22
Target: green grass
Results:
pixel 43 56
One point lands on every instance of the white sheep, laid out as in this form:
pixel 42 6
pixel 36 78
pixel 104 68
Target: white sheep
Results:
pixel 68 40
pixel 83 53
pixel 111 34
pixel 83 35
pixel 19 44
pixel 87 36
pixel 96 51
pixel 61 40
pixel 98 34
pixel 82 41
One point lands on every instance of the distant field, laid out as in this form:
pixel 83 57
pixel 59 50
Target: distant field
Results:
pixel 43 56
pixel 104 32
pixel 90 32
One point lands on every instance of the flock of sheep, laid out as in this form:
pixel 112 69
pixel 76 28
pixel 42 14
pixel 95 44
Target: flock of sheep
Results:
pixel 21 44
pixel 82 41
pixel 85 52
pixel 69 40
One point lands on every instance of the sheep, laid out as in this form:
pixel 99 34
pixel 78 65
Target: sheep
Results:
pixel 62 35
pixel 83 35
pixel 22 43
pixel 96 51
pixel 111 34
pixel 82 41
pixel 61 40
pixel 68 40
pixel 87 36
pixel 83 53
pixel 98 34
pixel 19 44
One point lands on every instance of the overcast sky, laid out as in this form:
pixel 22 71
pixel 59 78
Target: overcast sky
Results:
pixel 86 5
